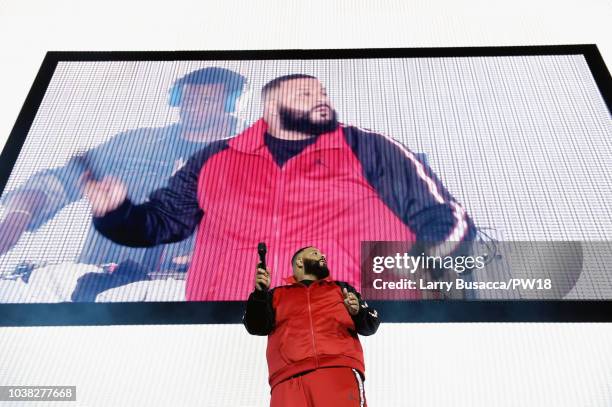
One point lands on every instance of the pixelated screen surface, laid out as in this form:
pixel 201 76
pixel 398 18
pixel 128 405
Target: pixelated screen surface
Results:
pixel 520 143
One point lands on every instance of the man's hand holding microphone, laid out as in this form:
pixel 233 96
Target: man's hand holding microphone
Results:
pixel 262 276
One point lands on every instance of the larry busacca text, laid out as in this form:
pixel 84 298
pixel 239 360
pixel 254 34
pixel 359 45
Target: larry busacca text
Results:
pixel 415 269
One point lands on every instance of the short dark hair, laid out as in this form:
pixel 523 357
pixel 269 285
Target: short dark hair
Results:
pixel 233 82
pixel 275 83
pixel 296 254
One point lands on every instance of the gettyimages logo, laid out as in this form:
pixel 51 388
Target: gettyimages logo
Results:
pixel 413 262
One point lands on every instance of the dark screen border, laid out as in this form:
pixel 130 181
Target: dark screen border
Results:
pixel 230 312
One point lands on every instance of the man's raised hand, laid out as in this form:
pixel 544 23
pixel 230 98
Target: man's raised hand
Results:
pixel 350 302
pixel 262 278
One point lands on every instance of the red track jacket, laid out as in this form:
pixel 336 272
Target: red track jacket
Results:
pixel 351 185
pixel 309 327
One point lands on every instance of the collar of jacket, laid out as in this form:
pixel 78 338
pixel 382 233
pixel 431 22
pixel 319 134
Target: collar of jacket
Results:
pixel 292 280
pixel 252 139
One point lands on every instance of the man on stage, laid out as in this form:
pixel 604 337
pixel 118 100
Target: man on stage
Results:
pixel 314 355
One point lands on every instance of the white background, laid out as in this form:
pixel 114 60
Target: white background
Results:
pixel 415 364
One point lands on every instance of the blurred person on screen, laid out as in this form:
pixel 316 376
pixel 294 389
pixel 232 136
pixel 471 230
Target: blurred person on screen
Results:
pixel 312 323
pixel 143 159
pixel 296 176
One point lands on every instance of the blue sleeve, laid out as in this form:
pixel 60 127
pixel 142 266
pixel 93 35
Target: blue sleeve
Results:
pixel 171 214
pixel 64 185
pixel 411 190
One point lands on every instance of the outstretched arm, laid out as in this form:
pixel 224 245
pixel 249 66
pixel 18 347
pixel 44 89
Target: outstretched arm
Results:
pixel 413 192
pixel 48 191
pixel 171 214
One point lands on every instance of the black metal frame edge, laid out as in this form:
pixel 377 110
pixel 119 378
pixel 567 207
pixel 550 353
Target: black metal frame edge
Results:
pixel 600 73
pixel 26 117
pixel 230 312
pixel 267 54
pixel 164 313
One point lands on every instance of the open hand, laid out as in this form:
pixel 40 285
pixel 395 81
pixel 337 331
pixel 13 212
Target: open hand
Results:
pixel 350 302
pixel 106 195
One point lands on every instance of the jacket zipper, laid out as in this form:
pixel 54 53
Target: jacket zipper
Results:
pixel 314 346
pixel 279 190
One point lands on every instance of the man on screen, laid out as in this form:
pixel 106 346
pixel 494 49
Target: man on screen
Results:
pixel 143 159
pixel 295 177
pixel 314 354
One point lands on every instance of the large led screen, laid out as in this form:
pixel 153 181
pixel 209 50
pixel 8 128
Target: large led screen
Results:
pixel 443 177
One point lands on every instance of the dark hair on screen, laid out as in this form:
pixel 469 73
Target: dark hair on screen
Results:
pixel 275 83
pixel 233 81
pixel 296 254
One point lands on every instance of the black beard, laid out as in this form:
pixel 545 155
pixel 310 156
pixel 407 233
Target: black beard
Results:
pixel 313 267
pixel 293 120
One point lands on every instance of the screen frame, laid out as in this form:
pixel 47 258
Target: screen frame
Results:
pixel 230 312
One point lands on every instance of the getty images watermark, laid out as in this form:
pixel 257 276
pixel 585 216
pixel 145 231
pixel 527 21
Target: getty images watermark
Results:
pixel 475 270
pixel 406 263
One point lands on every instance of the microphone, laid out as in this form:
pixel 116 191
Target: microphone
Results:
pixel 262 250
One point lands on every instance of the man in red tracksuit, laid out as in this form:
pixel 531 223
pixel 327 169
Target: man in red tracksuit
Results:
pixel 296 177
pixel 314 355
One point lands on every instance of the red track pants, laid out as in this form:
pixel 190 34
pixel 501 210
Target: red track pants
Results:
pixel 328 387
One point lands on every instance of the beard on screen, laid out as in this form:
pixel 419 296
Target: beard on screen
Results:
pixel 295 120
